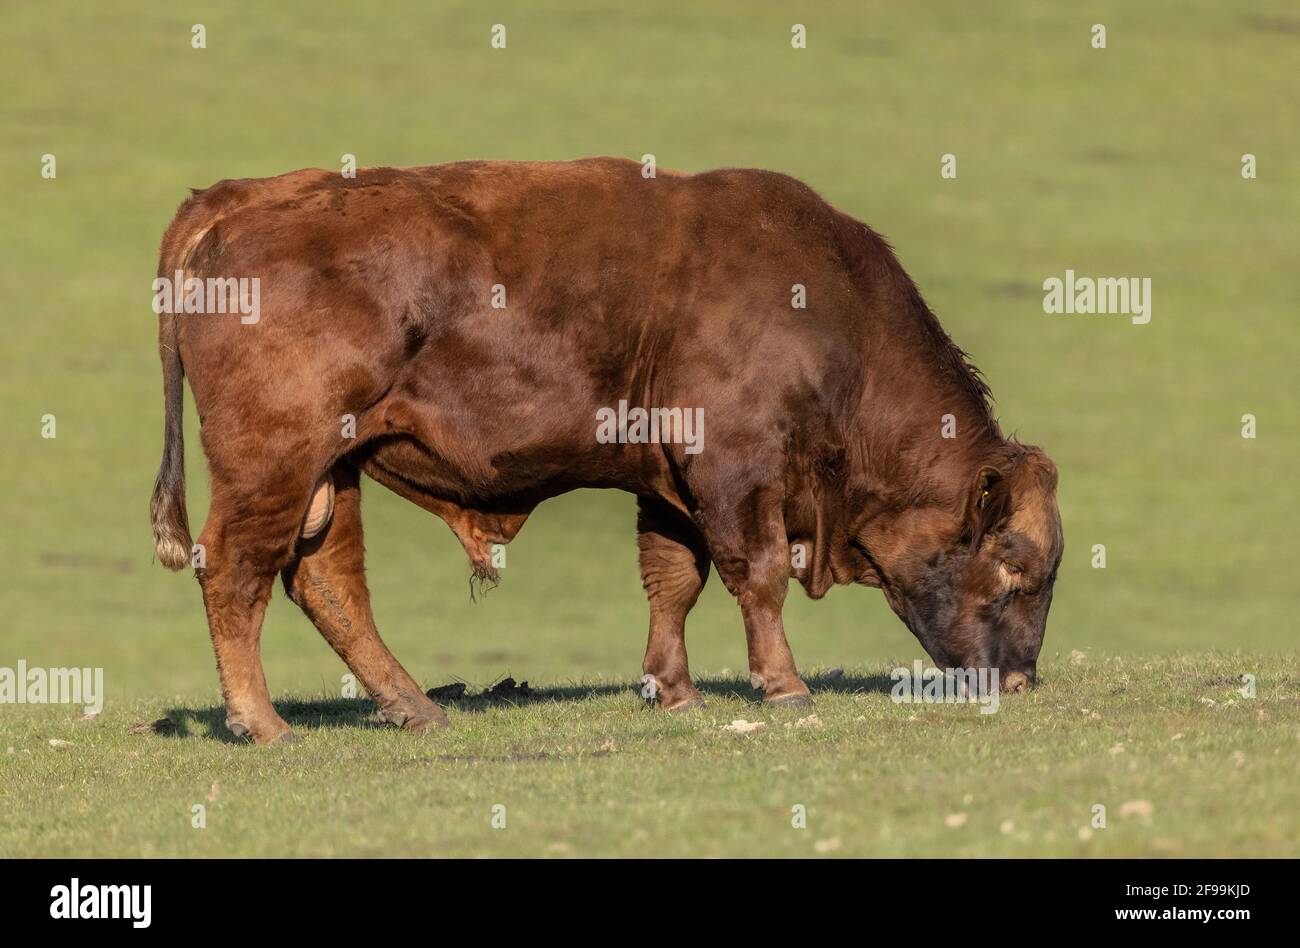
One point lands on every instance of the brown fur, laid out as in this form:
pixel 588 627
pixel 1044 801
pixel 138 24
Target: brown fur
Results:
pixel 822 425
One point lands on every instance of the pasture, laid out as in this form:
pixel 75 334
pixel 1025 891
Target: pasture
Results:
pixel 1123 161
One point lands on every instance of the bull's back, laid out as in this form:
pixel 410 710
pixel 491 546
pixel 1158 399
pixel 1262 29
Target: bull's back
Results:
pixel 572 242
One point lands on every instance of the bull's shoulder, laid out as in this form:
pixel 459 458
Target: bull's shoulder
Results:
pixel 756 185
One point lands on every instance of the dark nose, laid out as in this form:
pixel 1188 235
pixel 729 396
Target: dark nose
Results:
pixel 1017 681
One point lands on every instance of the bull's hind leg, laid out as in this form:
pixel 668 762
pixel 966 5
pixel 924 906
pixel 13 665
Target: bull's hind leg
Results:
pixel 674 568
pixel 235 599
pixel 248 536
pixel 328 581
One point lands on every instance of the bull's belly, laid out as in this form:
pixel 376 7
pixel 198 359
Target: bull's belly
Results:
pixel 506 479
pixel 403 461
pixel 494 506
pixel 481 514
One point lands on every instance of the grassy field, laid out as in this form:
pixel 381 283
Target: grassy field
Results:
pixel 1118 162
pixel 1182 763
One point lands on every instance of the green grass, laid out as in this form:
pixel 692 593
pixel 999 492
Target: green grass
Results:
pixel 1119 162
pixel 585 770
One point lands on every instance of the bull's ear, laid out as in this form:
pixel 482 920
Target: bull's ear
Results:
pixel 988 507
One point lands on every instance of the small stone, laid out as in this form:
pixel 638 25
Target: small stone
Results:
pixel 1136 808
pixel 828 845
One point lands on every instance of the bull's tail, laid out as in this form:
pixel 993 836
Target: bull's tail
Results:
pixel 171 523
pixel 193 230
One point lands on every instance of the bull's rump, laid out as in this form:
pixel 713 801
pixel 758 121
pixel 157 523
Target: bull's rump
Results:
pixel 378 292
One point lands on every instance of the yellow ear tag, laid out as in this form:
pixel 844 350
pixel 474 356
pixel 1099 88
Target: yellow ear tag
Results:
pixel 983 498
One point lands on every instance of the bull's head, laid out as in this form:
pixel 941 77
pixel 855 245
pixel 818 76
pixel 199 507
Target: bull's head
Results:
pixel 974 584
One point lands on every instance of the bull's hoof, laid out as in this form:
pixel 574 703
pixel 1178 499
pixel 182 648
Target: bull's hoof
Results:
pixel 681 695
pixel 426 722
pixel 269 735
pixel 793 702
pixel 415 721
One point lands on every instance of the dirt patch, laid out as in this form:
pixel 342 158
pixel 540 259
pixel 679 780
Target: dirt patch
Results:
pixel 1224 681
pixel 504 692
pixel 1274 24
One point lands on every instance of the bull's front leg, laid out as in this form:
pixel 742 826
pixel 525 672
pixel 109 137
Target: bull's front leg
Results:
pixel 747 540
pixel 771 663
pixel 674 568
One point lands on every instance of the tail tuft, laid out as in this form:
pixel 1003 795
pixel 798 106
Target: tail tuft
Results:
pixel 171 535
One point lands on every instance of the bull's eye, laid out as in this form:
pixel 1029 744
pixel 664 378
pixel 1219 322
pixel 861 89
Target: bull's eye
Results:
pixel 1011 576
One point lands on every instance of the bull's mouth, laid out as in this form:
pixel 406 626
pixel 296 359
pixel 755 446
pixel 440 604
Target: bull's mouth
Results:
pixel 1017 681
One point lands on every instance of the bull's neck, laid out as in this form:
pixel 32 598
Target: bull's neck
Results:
pixel 924 444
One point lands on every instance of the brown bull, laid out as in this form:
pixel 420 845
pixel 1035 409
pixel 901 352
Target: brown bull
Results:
pixel 462 333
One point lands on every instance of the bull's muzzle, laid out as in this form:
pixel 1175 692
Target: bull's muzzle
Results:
pixel 1017 681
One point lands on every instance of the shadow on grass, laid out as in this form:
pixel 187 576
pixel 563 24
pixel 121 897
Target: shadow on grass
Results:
pixel 210 722
pixel 727 687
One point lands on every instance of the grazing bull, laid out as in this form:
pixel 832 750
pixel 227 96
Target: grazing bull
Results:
pixel 461 333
